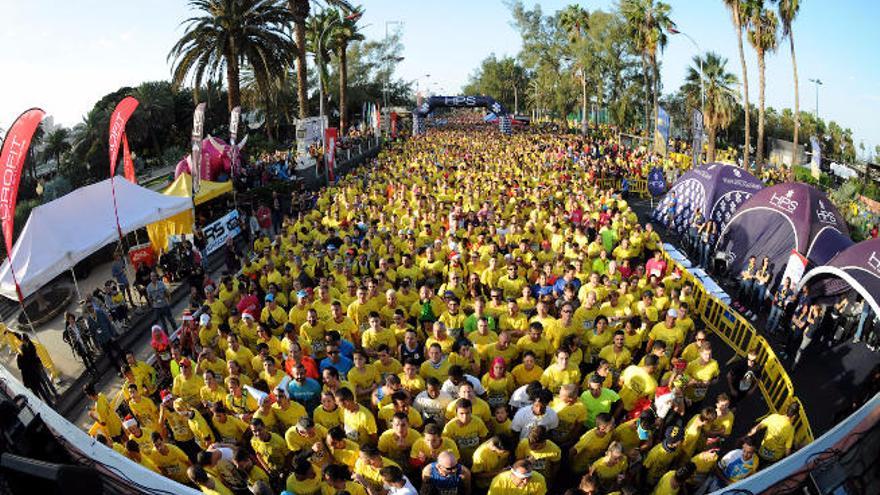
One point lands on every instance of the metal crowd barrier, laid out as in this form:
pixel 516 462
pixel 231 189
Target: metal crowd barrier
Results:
pixel 739 334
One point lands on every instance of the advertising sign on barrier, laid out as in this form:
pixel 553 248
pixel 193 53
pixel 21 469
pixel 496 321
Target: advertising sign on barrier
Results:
pixel 142 254
pixel 220 229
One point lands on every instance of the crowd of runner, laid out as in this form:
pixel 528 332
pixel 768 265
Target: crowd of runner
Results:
pixel 470 314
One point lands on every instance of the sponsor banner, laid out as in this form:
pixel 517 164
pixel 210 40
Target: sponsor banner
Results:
pixel 142 254
pixel 697 132
pixel 196 156
pixel 118 119
pixel 330 151
pixel 234 118
pixel 656 182
pixel 661 131
pixel 308 134
pixel 12 157
pixel 795 268
pixel 219 230
pixel 816 160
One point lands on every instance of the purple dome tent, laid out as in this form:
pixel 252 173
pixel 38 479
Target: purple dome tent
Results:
pixel 856 267
pixel 781 219
pixel 716 189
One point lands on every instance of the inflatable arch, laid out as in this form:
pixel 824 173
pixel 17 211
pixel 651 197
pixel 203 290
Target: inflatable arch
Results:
pixel 487 102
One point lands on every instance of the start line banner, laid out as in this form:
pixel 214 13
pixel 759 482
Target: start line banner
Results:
pixel 221 229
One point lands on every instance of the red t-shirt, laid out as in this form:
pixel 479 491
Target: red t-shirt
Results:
pixel 264 217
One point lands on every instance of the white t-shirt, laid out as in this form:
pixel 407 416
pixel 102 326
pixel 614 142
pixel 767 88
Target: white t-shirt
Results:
pixel 407 489
pixel 525 420
pixel 433 408
pixel 519 398
pixel 452 389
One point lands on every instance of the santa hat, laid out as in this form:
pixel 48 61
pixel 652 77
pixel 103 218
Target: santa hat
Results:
pixel 129 421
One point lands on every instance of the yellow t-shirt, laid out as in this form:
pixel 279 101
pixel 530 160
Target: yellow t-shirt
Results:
pixel 570 416
pixel 543 459
pixel 172 464
pixel 310 486
pixel 479 408
pixel 466 437
pixel 606 472
pixel 421 446
pixel 297 442
pixel 778 438
pixel 637 383
pixel 487 460
pixel 288 417
pixel 390 448
pixel 588 448
pixel 522 376
pixel 664 485
pixel 505 484
pixel 542 348
pixel 230 430
pixel 350 486
pixel 272 452
pixel 359 425
pixel 553 378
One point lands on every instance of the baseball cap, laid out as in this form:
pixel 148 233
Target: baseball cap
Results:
pixel 270 297
pixel 672 312
pixel 247 315
pixel 166 396
pixel 204 319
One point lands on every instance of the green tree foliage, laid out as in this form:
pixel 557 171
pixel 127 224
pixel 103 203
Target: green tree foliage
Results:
pixel 503 79
pixel 226 33
pixel 719 93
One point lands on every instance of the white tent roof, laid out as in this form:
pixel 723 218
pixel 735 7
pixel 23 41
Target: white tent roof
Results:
pixel 65 231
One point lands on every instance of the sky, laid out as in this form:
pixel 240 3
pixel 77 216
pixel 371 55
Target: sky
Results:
pixel 64 56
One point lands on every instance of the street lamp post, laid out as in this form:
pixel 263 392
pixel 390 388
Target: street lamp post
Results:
pixel 817 82
pixel 700 60
pixel 388 58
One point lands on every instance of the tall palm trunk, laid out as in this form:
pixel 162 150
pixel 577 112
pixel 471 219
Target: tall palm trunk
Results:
pixel 712 131
pixel 656 92
pixel 742 61
pixel 343 89
pixel 762 66
pixel 301 73
pixel 647 86
pixel 233 93
pixel 797 109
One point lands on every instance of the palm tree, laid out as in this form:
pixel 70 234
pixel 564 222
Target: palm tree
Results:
pixel 788 10
pixel 740 23
pixel 575 21
pixel 647 22
pixel 762 37
pixel 318 25
pixel 300 9
pixel 227 33
pixel 719 92
pixel 155 111
pixel 57 143
pixel 345 31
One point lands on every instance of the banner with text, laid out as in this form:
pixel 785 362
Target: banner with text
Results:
pixel 661 131
pixel 12 157
pixel 219 230
pixel 120 117
pixel 816 160
pixel 697 131
pixel 196 157
pixel 330 152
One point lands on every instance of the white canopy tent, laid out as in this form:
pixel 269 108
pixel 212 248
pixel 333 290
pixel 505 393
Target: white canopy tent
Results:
pixel 63 232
